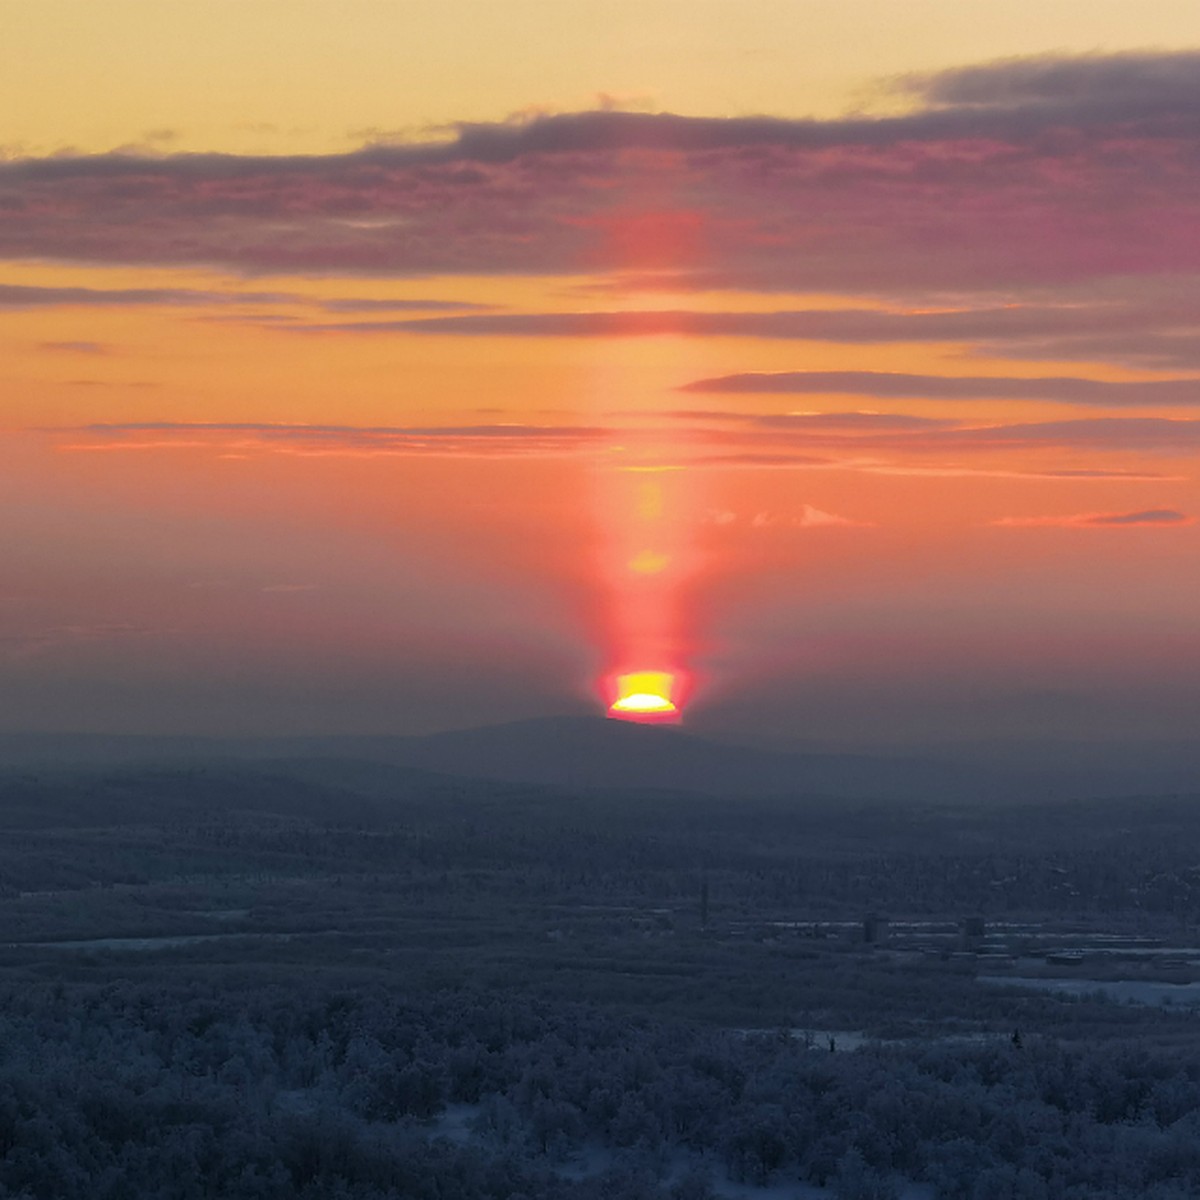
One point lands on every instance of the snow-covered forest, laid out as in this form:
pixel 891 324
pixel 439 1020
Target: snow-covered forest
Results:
pixel 249 983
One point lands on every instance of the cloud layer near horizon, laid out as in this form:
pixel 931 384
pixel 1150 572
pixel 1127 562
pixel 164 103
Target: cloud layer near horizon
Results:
pixel 313 441
pixel 1052 172
pixel 698 437
pixel 1134 331
pixel 32 296
pixel 1161 517
pixel 1059 389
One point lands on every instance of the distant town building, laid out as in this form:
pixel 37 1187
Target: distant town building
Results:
pixel 974 930
pixel 875 929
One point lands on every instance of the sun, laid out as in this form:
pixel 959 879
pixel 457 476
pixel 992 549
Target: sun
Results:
pixel 643 702
pixel 645 696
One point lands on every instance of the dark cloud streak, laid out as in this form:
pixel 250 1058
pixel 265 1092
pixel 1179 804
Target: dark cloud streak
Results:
pixel 28 296
pixel 852 326
pixel 896 385
pixel 1047 171
pixel 1128 86
pixel 1162 517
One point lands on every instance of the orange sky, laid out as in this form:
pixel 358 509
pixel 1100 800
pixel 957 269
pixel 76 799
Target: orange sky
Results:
pixel 872 418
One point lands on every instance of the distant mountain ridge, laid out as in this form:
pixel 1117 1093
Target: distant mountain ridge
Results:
pixel 583 754
pixel 596 754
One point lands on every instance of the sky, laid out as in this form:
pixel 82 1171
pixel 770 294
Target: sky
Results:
pixel 827 371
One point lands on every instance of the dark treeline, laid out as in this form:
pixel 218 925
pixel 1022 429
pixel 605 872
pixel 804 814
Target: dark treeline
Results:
pixel 1106 857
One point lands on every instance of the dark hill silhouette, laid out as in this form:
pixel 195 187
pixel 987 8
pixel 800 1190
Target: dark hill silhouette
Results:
pixel 581 753
pixel 573 753
pixel 594 754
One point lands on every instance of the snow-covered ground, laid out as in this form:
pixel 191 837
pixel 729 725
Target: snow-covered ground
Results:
pixel 1126 991
pixel 456 1123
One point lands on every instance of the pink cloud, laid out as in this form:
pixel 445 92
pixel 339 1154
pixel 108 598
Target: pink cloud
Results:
pixel 896 433
pixel 815 518
pixel 317 441
pixel 807 517
pixel 849 440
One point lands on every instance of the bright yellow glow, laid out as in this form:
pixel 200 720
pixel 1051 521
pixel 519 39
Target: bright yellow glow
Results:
pixel 649 563
pixel 644 702
pixel 647 692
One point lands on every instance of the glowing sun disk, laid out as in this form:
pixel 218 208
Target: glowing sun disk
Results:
pixel 644 693
pixel 643 702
